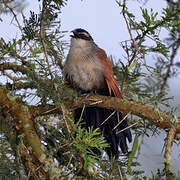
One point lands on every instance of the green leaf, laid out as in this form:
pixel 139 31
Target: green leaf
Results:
pixel 11 96
pixel 132 154
pixel 133 64
pixel 86 140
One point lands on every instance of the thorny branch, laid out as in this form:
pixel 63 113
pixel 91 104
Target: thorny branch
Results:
pixel 18 68
pixel 159 119
pixel 42 35
pixel 19 25
pixel 66 115
pixel 25 71
pixel 167 75
pixel 134 44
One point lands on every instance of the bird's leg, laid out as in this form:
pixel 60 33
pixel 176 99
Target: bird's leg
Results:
pixel 86 93
pixel 82 93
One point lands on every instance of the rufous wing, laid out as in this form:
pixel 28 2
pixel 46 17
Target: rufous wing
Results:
pixel 108 74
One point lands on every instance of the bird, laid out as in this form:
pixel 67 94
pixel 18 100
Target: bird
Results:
pixel 88 70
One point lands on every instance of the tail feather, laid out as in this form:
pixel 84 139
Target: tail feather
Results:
pixel 113 86
pixel 95 116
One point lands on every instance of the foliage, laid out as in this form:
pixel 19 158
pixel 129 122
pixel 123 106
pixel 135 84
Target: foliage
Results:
pixel 35 102
pixel 86 140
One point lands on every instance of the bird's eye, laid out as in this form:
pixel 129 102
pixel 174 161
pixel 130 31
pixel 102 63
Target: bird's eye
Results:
pixel 83 35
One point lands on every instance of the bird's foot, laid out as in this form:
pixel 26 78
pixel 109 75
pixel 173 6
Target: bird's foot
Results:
pixel 86 94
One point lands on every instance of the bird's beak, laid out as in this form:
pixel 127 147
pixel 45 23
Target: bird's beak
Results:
pixel 72 34
pixel 75 34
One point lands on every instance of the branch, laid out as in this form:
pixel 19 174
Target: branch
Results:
pixel 25 125
pixel 39 110
pixel 20 85
pixel 168 150
pixel 167 75
pixel 13 78
pixel 122 105
pixel 27 71
pixel 17 68
pixel 157 118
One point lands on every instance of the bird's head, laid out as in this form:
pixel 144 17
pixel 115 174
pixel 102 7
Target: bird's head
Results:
pixel 81 34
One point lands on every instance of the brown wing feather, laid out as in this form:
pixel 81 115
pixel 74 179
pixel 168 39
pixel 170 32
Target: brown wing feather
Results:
pixel 109 75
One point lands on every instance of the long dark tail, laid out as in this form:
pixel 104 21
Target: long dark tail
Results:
pixel 95 116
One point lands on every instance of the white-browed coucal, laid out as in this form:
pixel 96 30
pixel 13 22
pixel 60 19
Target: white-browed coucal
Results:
pixel 88 69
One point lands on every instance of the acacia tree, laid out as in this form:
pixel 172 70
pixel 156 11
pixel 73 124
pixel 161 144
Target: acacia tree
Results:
pixel 38 137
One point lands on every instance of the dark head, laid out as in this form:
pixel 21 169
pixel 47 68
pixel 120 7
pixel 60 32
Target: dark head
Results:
pixel 81 34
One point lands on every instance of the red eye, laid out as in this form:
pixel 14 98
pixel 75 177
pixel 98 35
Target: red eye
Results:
pixel 82 35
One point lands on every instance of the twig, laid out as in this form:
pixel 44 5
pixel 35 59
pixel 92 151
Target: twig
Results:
pixel 64 111
pixel 70 159
pixel 43 40
pixel 108 117
pixel 11 77
pixel 120 173
pixel 49 111
pixel 167 75
pixel 81 114
pixel 130 33
pixel 97 102
pixel 64 145
pixel 121 120
pixel 127 127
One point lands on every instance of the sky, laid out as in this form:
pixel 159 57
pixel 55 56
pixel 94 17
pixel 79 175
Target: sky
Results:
pixel 102 19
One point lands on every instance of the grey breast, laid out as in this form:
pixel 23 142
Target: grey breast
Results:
pixel 82 67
